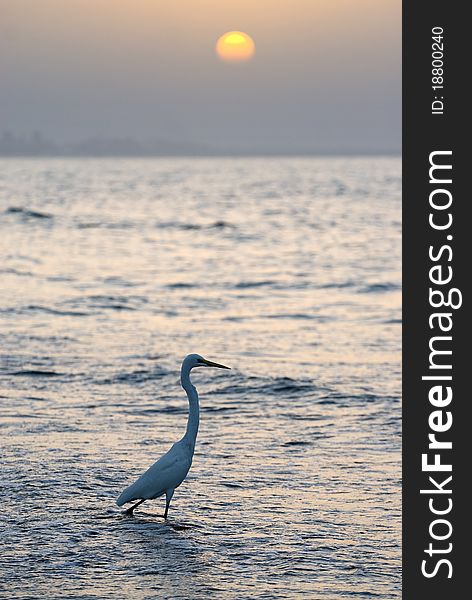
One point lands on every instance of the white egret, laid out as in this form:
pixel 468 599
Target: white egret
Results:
pixel 171 469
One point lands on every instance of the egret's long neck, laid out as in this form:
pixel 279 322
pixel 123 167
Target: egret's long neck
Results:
pixel 194 408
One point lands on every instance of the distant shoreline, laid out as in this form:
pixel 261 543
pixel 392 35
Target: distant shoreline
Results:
pixel 387 154
pixel 38 145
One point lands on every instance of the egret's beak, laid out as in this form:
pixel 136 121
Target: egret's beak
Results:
pixel 209 363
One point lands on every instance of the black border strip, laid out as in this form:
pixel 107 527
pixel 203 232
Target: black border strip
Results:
pixel 425 132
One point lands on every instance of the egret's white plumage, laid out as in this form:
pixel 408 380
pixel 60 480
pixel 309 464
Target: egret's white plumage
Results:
pixel 171 469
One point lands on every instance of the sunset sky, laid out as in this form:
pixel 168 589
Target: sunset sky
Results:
pixel 326 74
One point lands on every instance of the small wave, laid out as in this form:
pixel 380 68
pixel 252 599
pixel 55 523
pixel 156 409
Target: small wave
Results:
pixel 53 311
pixel 88 225
pixel 285 385
pixel 379 288
pixel 194 226
pixel 297 443
pixel 28 213
pixel 11 271
pixel 66 278
pixel 253 387
pixel 119 281
pixel 306 316
pixel 169 410
pixel 221 225
pixel 349 399
pixel 177 225
pixel 340 285
pixel 220 409
pixel 106 225
pixel 363 594
pixel 22 257
pixel 254 284
pixel 188 226
pixel 34 373
pixel 116 302
pixel 181 285
pixel 103 301
pixel 133 377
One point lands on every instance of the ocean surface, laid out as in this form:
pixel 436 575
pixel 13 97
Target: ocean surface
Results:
pixel 287 270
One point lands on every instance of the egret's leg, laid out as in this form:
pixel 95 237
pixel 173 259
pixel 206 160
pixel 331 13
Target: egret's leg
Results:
pixel 129 511
pixel 169 495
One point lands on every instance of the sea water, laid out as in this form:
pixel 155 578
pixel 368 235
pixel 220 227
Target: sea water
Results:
pixel 287 270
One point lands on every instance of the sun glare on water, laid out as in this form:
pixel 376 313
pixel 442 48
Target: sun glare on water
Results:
pixel 235 46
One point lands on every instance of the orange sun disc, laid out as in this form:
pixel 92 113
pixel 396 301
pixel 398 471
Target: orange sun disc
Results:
pixel 235 46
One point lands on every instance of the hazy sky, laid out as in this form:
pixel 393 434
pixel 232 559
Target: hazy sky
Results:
pixel 326 74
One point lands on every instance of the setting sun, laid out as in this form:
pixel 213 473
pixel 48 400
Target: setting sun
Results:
pixel 235 46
